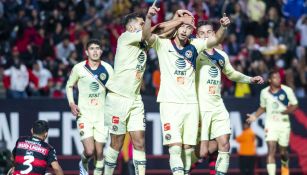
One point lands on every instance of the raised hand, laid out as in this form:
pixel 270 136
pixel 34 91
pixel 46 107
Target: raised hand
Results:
pixel 257 80
pixel 152 11
pixel 182 12
pixel 225 21
pixel 186 19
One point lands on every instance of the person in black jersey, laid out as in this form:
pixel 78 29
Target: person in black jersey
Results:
pixel 32 155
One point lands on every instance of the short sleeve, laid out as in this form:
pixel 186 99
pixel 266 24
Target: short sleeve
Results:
pixel 262 99
pixel 131 37
pixel 73 77
pixel 291 96
pixel 157 43
pixel 199 44
pixel 51 156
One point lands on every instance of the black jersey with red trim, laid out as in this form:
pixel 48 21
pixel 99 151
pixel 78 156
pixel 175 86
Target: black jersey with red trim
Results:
pixel 32 156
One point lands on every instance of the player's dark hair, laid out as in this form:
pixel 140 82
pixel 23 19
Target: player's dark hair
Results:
pixel 204 23
pixel 93 41
pixel 272 72
pixel 132 16
pixel 40 127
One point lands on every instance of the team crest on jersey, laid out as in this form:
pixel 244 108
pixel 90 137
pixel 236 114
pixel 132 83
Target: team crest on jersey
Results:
pixel 221 62
pixel 81 133
pixel 213 72
pixel 188 54
pixel 103 76
pixel 282 97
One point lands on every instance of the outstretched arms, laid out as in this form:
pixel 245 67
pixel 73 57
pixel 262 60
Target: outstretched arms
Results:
pixel 237 76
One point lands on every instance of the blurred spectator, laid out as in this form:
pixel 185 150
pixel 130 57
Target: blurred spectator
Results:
pixel 247 151
pixel 232 47
pixel 255 10
pixel 44 76
pixel 301 26
pixel 240 21
pixel 64 49
pixel 296 77
pixel 18 77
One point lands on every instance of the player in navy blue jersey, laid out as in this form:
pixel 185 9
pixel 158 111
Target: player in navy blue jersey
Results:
pixel 32 155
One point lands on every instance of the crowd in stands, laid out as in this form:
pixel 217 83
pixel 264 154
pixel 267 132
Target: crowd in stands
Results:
pixel 40 40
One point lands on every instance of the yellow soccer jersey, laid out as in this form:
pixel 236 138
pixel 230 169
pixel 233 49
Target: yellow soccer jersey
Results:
pixel 177 70
pixel 90 83
pixel 129 65
pixel 209 69
pixel 275 103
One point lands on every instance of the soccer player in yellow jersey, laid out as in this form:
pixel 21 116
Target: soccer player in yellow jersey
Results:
pixel 90 76
pixel 215 122
pixel 277 101
pixel 124 107
pixel 177 95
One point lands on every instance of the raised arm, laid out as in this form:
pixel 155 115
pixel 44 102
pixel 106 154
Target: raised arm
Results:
pixel 147 35
pixel 219 36
pixel 237 76
pixel 167 29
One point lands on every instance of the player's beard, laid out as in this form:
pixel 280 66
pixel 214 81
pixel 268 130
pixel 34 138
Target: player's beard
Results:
pixel 182 37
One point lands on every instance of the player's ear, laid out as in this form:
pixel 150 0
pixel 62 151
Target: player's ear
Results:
pixel 86 52
pixel 130 28
pixel 46 135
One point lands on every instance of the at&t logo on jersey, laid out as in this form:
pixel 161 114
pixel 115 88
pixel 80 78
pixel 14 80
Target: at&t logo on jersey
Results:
pixel 213 72
pixel 180 64
pixel 94 86
pixel 141 62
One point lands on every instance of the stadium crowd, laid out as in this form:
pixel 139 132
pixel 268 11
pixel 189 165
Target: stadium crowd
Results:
pixel 41 40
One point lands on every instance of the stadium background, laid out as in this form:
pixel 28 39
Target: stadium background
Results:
pixel 42 39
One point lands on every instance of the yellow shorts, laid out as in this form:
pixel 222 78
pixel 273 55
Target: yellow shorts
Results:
pixel 91 124
pixel 280 135
pixel 123 114
pixel 179 123
pixel 214 124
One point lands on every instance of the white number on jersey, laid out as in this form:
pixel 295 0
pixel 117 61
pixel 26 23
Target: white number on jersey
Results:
pixel 28 161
